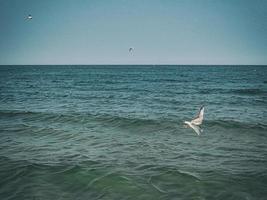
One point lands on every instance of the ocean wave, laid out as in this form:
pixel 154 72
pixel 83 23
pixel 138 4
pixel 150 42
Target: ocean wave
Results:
pixel 80 117
pixel 164 124
pixel 249 91
pixel 245 91
pixel 235 124
pixel 122 122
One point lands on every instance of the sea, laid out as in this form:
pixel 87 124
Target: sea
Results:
pixel 117 132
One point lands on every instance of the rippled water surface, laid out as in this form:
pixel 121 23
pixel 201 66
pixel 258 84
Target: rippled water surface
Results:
pixel 116 132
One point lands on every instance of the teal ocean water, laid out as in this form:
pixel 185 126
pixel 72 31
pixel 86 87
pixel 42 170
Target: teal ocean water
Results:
pixel 116 132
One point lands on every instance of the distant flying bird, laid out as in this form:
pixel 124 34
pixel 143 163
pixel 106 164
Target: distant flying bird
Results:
pixel 197 121
pixel 130 49
pixel 29 17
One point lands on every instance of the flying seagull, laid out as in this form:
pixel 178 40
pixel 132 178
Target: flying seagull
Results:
pixel 29 17
pixel 197 121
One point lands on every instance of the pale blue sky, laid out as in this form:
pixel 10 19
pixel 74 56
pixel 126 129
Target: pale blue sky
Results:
pixel 161 32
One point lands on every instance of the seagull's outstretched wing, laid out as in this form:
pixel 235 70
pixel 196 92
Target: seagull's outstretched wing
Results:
pixel 199 118
pixel 195 128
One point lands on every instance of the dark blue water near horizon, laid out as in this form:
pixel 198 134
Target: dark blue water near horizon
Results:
pixel 116 132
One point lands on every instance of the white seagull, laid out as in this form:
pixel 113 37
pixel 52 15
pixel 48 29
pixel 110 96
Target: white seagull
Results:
pixel 29 17
pixel 197 121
